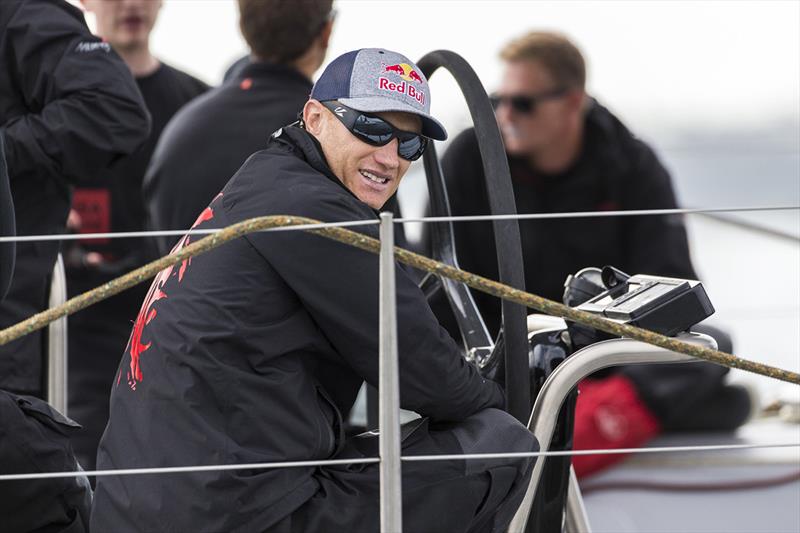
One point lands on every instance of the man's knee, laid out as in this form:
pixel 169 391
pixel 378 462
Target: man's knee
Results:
pixel 495 431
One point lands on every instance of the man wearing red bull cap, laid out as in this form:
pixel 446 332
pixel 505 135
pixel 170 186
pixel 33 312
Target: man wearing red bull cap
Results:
pixel 251 352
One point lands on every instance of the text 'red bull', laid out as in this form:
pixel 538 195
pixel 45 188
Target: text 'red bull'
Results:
pixel 402 88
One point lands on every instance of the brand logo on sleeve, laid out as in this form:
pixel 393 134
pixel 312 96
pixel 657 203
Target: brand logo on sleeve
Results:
pixel 92 46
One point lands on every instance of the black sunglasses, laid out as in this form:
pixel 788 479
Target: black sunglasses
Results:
pixel 377 132
pixel 524 104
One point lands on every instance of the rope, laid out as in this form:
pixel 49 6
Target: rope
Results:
pixel 369 244
pixel 470 218
pixel 366 460
pixel 752 226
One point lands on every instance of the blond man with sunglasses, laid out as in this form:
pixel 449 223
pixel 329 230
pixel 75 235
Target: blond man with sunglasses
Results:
pixel 568 153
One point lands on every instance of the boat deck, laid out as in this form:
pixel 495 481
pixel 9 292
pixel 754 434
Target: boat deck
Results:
pixel 765 509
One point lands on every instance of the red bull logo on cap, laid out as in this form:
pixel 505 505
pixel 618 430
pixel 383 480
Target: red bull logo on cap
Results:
pixel 405 71
pixel 408 74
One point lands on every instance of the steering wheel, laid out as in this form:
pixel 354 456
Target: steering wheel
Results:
pixel 505 359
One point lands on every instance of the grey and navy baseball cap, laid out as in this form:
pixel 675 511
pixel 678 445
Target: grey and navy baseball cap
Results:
pixel 374 80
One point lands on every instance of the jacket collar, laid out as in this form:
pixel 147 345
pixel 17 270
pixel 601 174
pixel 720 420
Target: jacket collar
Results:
pixel 308 147
pixel 264 69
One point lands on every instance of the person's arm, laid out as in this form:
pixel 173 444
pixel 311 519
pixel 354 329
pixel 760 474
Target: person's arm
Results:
pixel 84 108
pixel 655 244
pixel 338 285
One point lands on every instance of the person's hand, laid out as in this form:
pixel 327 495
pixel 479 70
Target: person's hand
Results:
pixel 74 221
pixel 76 256
pixel 93 259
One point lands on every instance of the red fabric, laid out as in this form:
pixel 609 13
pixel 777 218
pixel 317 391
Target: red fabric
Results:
pixel 94 208
pixel 609 414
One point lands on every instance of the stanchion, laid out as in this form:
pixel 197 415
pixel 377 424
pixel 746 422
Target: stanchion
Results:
pixel 576 520
pixel 388 384
pixel 57 365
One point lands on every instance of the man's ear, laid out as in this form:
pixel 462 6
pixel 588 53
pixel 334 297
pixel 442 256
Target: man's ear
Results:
pixel 313 116
pixel 576 99
pixel 325 34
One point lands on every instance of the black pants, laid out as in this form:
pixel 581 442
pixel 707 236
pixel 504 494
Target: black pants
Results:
pixel 692 397
pixel 438 497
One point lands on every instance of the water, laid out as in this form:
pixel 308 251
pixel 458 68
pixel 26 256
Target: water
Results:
pixel 739 178
pixel 753 281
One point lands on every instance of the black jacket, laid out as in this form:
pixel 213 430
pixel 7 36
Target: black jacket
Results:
pixel 250 352
pixel 210 138
pixel 34 438
pixel 68 108
pixel 615 171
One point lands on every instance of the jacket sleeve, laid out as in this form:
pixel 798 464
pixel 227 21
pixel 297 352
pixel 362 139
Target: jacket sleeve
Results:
pixel 338 285
pixel 654 244
pixel 84 109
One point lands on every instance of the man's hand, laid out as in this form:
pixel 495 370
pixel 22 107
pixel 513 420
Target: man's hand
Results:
pixel 75 256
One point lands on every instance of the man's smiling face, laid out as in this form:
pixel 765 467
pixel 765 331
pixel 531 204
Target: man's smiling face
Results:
pixel 371 173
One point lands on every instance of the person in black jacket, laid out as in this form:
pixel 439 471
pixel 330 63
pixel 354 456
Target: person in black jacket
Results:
pixel 288 40
pixel 568 153
pixel 113 202
pixel 252 351
pixel 69 108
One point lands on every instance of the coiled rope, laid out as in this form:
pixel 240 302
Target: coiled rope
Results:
pixel 340 234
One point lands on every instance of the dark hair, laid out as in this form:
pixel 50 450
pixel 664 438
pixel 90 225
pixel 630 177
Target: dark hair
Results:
pixel 555 52
pixel 280 31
